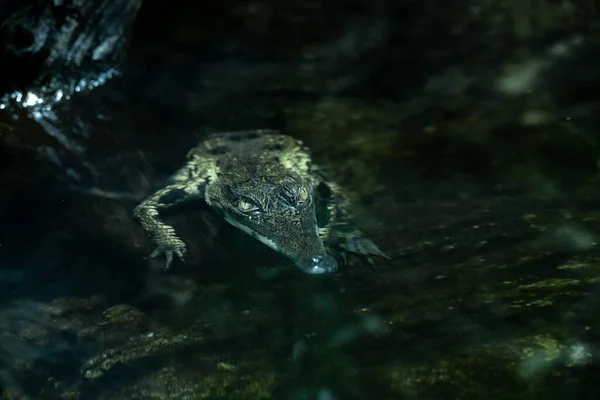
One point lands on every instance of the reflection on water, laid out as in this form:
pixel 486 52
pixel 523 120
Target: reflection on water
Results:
pixel 40 105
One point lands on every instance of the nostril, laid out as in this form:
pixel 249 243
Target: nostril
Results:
pixel 321 264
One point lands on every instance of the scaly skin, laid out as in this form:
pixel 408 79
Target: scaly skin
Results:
pixel 265 184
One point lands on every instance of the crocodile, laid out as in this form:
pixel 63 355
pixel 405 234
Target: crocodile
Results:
pixel 265 184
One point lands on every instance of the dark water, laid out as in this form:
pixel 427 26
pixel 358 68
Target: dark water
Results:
pixel 464 135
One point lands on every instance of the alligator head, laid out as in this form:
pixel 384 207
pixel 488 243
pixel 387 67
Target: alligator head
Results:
pixel 280 212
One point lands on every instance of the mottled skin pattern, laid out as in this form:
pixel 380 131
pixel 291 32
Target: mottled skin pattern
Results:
pixel 265 184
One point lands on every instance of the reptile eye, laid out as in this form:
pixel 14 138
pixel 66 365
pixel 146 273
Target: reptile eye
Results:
pixel 303 194
pixel 246 205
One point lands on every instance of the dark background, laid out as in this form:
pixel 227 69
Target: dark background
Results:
pixel 465 133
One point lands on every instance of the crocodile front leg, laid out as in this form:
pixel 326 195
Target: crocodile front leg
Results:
pixel 148 214
pixel 339 231
pixel 349 239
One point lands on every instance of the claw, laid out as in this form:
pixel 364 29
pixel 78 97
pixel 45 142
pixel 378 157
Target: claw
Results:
pixel 180 255
pixel 368 247
pixel 169 251
pixel 344 256
pixel 364 248
pixel 157 252
pixel 169 257
pixel 377 252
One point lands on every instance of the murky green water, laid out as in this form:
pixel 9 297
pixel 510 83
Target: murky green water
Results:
pixel 465 138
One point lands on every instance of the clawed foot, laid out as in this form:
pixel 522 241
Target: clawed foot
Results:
pixel 174 247
pixel 363 248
